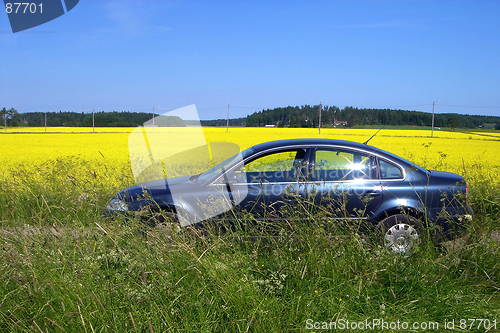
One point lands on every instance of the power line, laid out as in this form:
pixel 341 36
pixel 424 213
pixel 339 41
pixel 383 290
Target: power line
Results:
pixel 388 106
pixel 472 106
pixel 235 107
pixel 262 108
pixel 218 108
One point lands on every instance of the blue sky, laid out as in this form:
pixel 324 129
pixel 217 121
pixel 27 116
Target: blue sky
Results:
pixel 135 55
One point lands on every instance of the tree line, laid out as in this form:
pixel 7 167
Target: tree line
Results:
pixel 308 116
pixel 75 119
pixel 102 119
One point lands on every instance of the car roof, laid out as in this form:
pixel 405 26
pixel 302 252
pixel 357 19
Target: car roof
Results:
pixel 348 144
pixel 312 142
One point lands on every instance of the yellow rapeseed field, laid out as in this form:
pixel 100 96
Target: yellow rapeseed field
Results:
pixel 474 155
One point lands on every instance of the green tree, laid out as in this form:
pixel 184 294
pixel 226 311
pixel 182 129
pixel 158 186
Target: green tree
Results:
pixel 453 122
pixel 3 116
pixel 9 117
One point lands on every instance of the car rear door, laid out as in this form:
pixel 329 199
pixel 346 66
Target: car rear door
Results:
pixel 344 182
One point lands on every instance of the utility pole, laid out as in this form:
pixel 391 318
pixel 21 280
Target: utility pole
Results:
pixel 227 122
pixel 93 118
pixel 153 119
pixel 432 131
pixel 319 123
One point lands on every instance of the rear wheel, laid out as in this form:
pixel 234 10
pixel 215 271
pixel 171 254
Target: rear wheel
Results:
pixel 401 233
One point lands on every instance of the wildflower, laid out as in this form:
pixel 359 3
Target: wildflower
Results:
pixel 83 196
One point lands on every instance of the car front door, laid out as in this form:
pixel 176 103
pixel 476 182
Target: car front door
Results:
pixel 272 180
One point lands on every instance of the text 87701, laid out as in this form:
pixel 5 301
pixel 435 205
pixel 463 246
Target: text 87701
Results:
pixel 17 7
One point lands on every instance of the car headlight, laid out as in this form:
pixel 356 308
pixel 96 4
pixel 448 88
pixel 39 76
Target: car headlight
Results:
pixel 117 205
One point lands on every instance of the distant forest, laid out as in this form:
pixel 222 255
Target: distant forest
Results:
pixel 291 116
pixel 75 119
pixel 308 116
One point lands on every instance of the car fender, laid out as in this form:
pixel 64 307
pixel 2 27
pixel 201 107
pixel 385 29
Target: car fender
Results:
pixel 177 205
pixel 397 206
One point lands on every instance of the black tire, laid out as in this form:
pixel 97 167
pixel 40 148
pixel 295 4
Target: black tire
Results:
pixel 401 233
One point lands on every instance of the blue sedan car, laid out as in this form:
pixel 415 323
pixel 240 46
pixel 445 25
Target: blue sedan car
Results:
pixel 349 180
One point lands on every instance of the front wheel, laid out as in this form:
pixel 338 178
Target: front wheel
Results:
pixel 401 233
pixel 166 221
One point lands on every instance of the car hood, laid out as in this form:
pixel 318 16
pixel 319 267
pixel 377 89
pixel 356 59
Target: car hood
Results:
pixel 157 187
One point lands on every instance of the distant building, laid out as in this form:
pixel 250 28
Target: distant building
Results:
pixel 340 123
pixel 270 126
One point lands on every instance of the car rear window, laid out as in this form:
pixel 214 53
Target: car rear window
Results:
pixel 389 170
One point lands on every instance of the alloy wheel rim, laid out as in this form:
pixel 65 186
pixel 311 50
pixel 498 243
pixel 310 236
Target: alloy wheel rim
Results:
pixel 401 238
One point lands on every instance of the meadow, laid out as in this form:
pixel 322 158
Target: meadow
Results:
pixel 65 267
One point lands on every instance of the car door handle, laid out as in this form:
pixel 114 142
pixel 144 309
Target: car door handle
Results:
pixel 373 193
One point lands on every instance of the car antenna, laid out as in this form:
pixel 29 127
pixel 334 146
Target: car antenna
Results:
pixel 366 142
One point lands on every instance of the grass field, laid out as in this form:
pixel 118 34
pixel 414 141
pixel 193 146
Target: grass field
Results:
pixel 66 267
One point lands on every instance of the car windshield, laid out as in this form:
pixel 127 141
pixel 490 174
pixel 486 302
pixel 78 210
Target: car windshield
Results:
pixel 208 175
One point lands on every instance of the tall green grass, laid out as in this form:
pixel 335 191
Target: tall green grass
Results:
pixel 65 267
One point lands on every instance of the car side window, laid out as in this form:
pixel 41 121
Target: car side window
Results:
pixel 339 165
pixel 389 170
pixel 284 166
